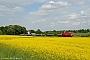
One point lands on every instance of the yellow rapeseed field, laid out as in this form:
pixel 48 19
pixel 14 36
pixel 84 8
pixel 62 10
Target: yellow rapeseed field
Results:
pixel 44 48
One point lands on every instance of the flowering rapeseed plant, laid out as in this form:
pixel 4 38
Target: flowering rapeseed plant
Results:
pixel 45 48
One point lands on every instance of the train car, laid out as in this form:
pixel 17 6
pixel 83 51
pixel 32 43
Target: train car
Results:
pixel 67 34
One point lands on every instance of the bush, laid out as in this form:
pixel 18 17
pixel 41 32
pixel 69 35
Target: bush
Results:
pixel 0 32
pixel 84 35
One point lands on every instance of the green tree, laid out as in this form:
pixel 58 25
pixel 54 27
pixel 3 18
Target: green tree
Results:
pixel 55 32
pixel 3 30
pixel 32 31
pixel 88 30
pixel 80 31
pixel 38 31
pixel 15 30
pixel 9 30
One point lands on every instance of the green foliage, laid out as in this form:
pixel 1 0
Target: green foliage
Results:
pixel 38 31
pixel 13 30
pixel 3 30
pixel 85 35
pixel 0 32
pixel 32 31
pixel 17 29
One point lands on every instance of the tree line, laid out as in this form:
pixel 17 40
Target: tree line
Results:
pixel 79 33
pixel 12 30
pixel 17 29
pixel 60 31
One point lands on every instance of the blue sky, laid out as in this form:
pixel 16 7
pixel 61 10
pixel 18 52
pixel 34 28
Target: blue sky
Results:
pixel 46 14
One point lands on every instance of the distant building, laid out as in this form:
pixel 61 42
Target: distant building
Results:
pixel 29 32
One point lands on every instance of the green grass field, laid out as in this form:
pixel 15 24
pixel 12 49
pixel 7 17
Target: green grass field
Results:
pixel 44 48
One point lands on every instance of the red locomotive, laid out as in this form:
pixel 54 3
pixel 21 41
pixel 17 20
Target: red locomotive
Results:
pixel 67 34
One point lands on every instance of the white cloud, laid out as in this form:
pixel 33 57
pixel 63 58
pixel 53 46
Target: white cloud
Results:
pixel 73 16
pixel 55 5
pixel 60 13
pixel 87 11
pixel 20 2
pixel 52 2
pixel 63 22
pixel 47 6
pixel 82 12
pixel 78 2
pixel 11 19
pixel 80 19
pixel 76 23
pixel 51 8
pixel 11 7
pixel 17 8
pixel 40 12
pixel 62 3
pixel 84 21
pixel 52 14
pixel 37 21
pixel 82 2
pixel 10 10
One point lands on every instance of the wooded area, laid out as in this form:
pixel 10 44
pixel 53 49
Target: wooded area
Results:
pixel 12 30
pixel 17 30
